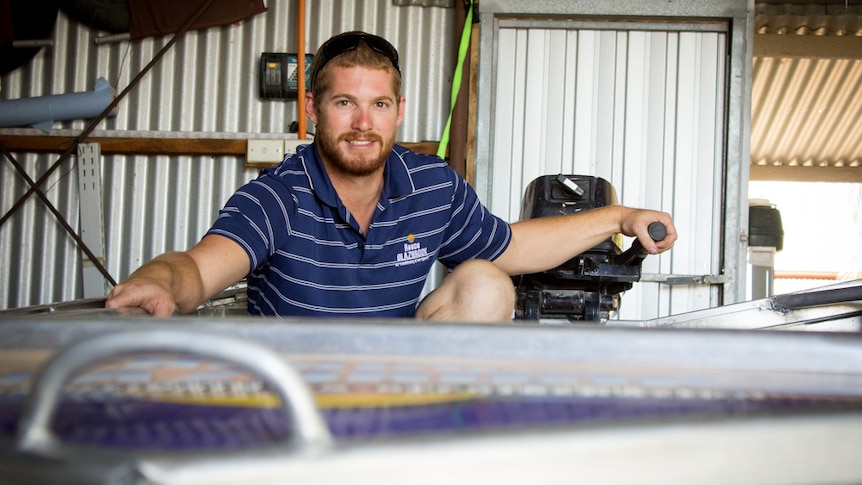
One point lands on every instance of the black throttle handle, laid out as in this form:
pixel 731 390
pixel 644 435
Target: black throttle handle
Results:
pixel 636 253
pixel 657 231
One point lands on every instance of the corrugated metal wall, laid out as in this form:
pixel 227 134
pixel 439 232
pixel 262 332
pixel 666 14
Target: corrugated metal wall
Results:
pixel 653 96
pixel 640 109
pixel 205 86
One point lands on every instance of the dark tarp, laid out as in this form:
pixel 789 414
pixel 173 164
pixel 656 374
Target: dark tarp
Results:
pixel 160 17
pixel 7 34
pixel 108 15
pixel 24 20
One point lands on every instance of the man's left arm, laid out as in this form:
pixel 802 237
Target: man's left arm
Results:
pixel 546 242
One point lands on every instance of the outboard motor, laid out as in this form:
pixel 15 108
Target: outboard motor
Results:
pixel 588 287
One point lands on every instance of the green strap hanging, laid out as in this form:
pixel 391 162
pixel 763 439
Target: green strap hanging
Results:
pixel 456 80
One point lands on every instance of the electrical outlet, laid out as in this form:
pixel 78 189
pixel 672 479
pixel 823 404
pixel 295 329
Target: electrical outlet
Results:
pixel 259 151
pixel 290 146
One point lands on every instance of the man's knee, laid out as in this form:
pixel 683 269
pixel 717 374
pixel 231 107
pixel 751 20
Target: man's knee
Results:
pixel 477 290
pixel 485 278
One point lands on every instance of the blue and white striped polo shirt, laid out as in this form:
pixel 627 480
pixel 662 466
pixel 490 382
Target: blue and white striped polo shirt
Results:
pixel 309 257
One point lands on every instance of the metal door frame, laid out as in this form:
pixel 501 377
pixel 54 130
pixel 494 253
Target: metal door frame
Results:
pixel 739 17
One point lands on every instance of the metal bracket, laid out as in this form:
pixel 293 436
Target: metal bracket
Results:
pixel 679 280
pixel 91 216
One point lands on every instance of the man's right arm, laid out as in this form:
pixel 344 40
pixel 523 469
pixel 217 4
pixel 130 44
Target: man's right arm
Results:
pixel 180 281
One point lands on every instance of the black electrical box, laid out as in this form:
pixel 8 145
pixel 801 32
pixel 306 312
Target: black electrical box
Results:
pixel 279 75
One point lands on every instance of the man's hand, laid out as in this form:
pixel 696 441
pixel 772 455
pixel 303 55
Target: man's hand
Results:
pixel 635 223
pixel 165 286
pixel 178 282
pixel 145 293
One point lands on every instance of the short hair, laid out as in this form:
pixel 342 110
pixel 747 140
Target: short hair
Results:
pixel 361 56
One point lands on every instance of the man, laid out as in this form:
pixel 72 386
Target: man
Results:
pixel 352 224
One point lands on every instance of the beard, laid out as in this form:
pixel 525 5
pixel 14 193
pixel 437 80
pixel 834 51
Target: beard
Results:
pixel 353 164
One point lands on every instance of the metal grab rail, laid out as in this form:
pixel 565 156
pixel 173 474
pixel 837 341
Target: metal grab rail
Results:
pixel 817 297
pixel 310 429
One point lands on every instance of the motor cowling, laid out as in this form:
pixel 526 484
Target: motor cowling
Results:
pixel 588 287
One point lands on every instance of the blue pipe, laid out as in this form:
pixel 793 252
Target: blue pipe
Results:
pixel 41 112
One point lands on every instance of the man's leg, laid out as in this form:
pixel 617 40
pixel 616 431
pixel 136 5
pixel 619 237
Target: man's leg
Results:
pixel 476 291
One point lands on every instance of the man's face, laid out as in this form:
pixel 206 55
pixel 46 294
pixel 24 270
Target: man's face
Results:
pixel 356 120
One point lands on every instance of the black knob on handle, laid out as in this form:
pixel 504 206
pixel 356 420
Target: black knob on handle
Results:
pixel 635 254
pixel 657 231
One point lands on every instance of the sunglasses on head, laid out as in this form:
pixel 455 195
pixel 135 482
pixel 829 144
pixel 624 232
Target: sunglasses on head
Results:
pixel 347 42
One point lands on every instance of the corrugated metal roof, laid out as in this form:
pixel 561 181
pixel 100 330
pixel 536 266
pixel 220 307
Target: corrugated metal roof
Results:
pixel 806 119
pixel 809 19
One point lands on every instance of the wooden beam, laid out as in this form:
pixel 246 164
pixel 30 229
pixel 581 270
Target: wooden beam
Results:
pixel 473 106
pixel 424 147
pixel 808 46
pixel 806 174
pixel 153 146
pixel 127 146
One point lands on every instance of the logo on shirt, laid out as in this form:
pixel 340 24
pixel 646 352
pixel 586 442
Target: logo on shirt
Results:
pixel 413 252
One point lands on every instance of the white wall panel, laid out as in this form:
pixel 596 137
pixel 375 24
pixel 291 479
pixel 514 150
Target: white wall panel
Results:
pixel 640 108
